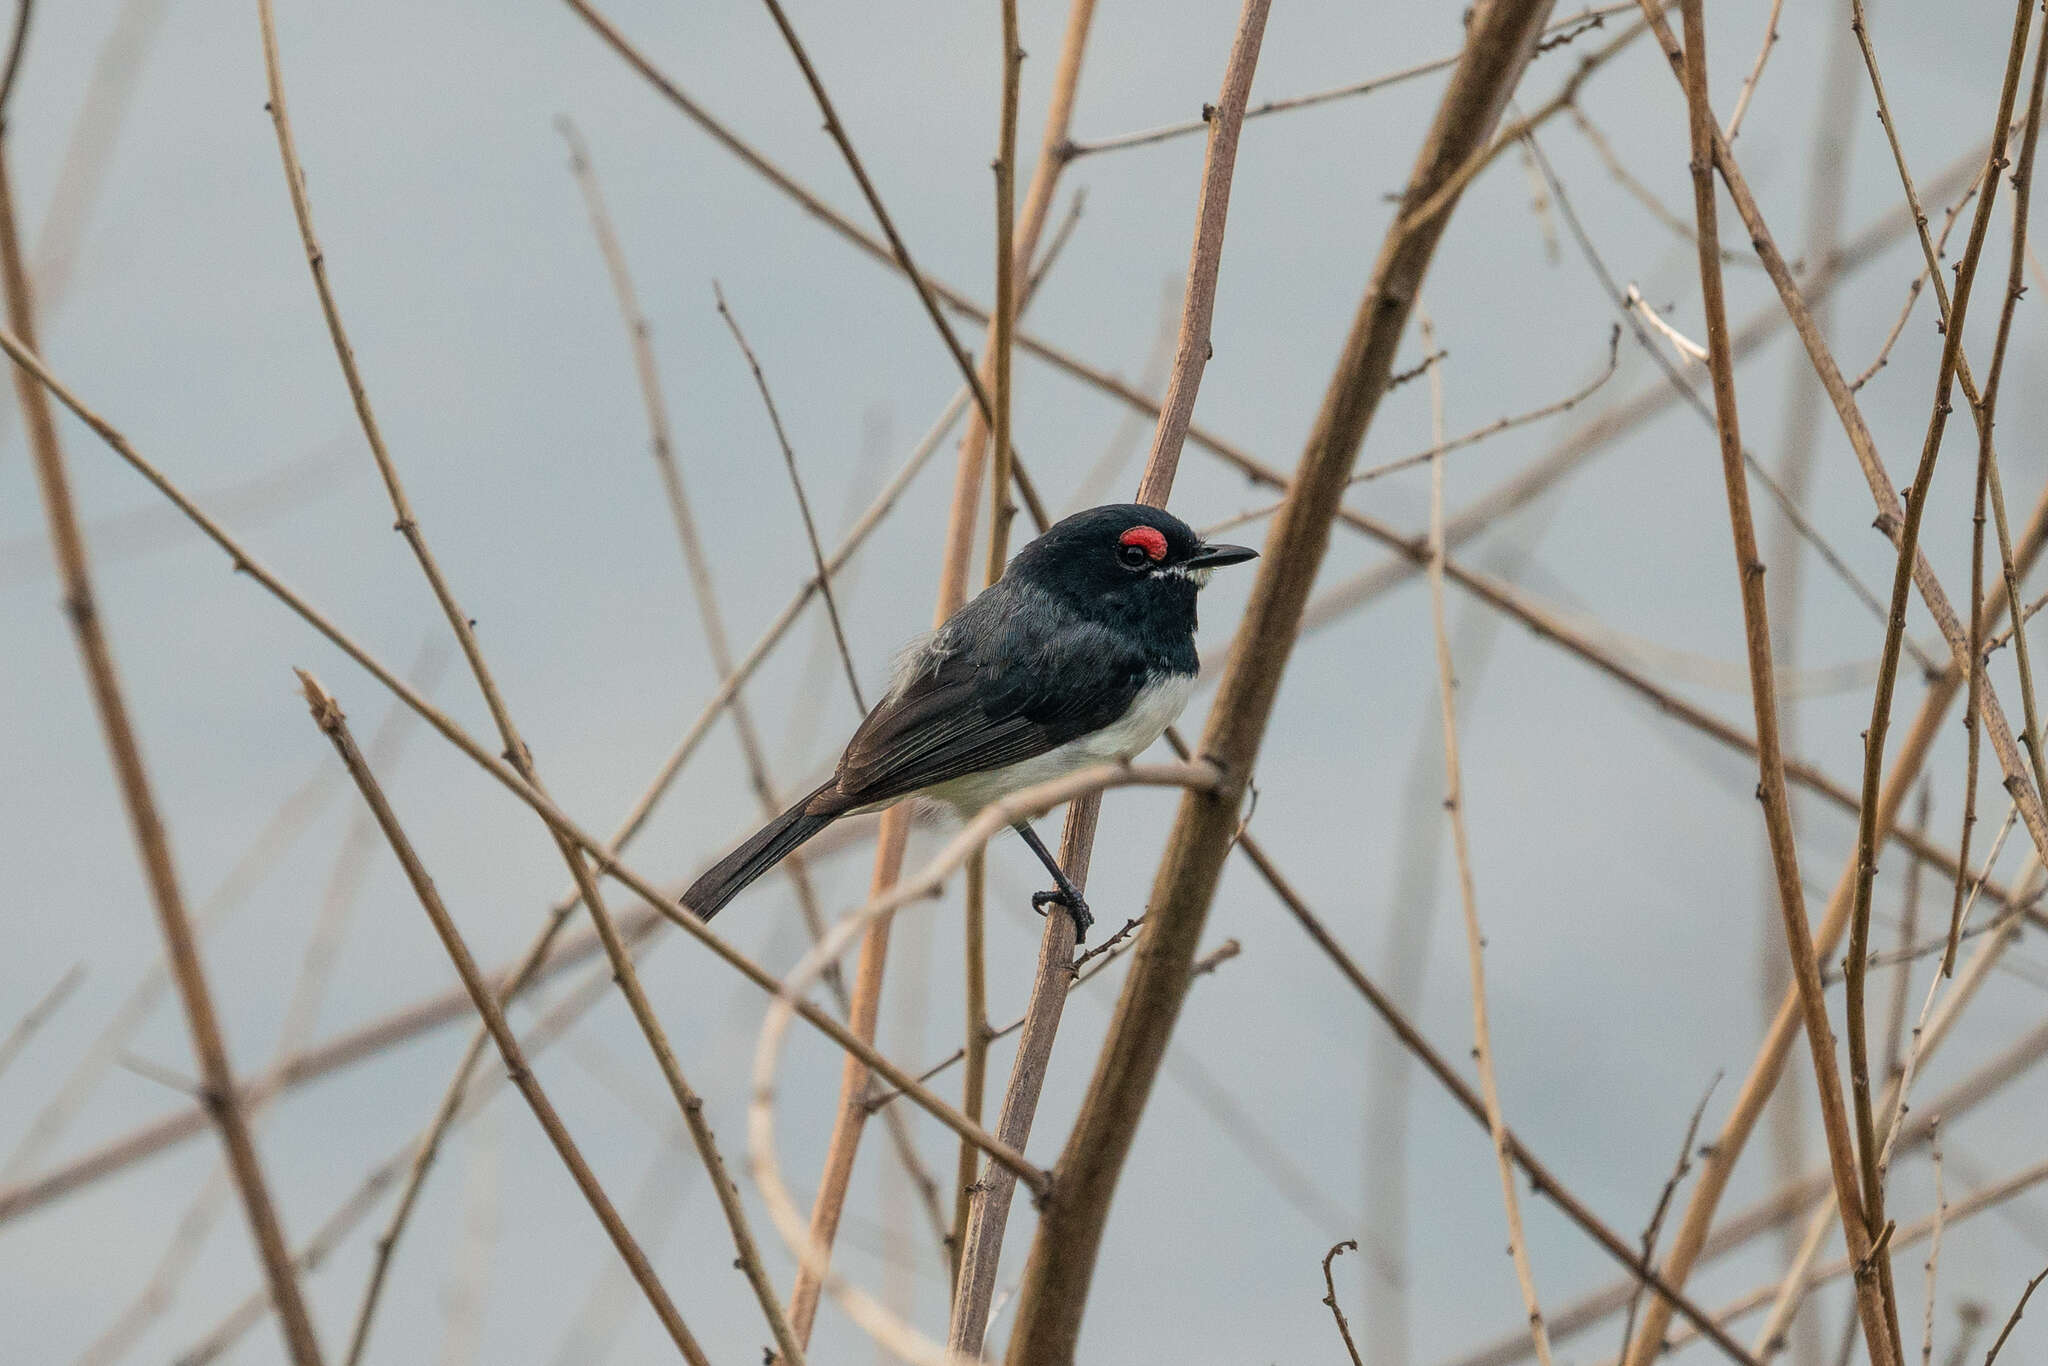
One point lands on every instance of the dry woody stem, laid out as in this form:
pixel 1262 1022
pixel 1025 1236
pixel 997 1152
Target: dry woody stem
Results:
pixel 328 716
pixel 218 1093
pixel 1878 1313
pixel 1501 38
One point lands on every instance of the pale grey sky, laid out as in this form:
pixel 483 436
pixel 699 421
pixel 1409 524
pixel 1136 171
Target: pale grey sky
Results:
pixel 1616 855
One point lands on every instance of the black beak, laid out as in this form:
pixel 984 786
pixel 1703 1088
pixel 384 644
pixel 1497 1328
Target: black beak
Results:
pixel 1216 556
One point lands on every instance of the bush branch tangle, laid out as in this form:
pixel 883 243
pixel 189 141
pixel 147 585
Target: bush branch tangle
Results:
pixel 1884 810
pixel 1874 1301
pixel 1501 37
pixel 873 1317
pixel 521 759
pixel 332 723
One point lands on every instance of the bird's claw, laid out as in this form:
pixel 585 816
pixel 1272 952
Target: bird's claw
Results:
pixel 1075 906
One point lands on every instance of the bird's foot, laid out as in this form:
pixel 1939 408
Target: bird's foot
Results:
pixel 1070 901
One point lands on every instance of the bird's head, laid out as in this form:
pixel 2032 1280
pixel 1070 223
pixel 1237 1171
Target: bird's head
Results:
pixel 1126 561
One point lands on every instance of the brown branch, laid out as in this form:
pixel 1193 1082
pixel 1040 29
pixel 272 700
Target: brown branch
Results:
pixel 1903 1236
pixel 954 564
pixel 1679 1171
pixel 2013 1322
pixel 329 718
pixel 1763 54
pixel 1779 1208
pixel 1541 1179
pixel 988 1213
pixel 1330 1297
pixel 1500 39
pixel 1984 409
pixel 1764 1072
pixel 1874 1292
pixel 1002 329
pixel 17 47
pixel 1860 1215
pixel 1468 900
pixel 38 1014
pixel 219 1095
pixel 1560 33
pixel 517 754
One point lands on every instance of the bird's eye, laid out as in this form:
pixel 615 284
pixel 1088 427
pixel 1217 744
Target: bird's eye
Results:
pixel 1140 546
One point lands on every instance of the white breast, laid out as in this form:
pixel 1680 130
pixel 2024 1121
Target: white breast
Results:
pixel 1151 712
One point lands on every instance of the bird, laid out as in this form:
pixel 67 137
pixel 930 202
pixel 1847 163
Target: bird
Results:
pixel 1082 653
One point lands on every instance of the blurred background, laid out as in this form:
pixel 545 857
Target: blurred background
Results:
pixel 1634 948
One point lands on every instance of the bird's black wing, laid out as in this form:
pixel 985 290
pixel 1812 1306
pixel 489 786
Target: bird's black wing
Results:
pixel 997 685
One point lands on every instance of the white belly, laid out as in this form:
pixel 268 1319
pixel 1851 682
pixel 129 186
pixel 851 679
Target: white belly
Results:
pixel 1152 711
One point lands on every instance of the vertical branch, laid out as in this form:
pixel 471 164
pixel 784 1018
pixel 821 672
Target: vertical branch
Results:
pixel 329 718
pixel 1879 1315
pixel 218 1092
pixel 1880 717
pixel 953 572
pixel 1330 1297
pixel 1501 38
pixel 1766 1068
pixel 988 1218
pixel 1827 176
pixel 1454 809
pixel 1002 326
pixel 974 1051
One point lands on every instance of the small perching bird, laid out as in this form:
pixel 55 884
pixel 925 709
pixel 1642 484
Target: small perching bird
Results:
pixel 1082 653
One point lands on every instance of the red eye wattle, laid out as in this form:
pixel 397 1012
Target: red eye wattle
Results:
pixel 1148 539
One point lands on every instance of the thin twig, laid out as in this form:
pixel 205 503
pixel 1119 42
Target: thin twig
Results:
pixel 1679 1171
pixel 1454 811
pixel 1330 1297
pixel 1872 1300
pixel 1920 278
pixel 1560 33
pixel 1874 1293
pixel 1764 1071
pixel 1909 921
pixel 803 502
pixel 38 1014
pixel 1933 1253
pixel 1763 54
pixel 2013 1322
pixel 329 718
pixel 1002 332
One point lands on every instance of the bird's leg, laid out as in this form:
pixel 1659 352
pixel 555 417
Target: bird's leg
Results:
pixel 1068 895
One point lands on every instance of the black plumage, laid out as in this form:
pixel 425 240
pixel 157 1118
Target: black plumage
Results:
pixel 1083 621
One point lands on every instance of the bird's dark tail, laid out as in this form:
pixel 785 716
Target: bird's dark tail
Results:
pixel 769 845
